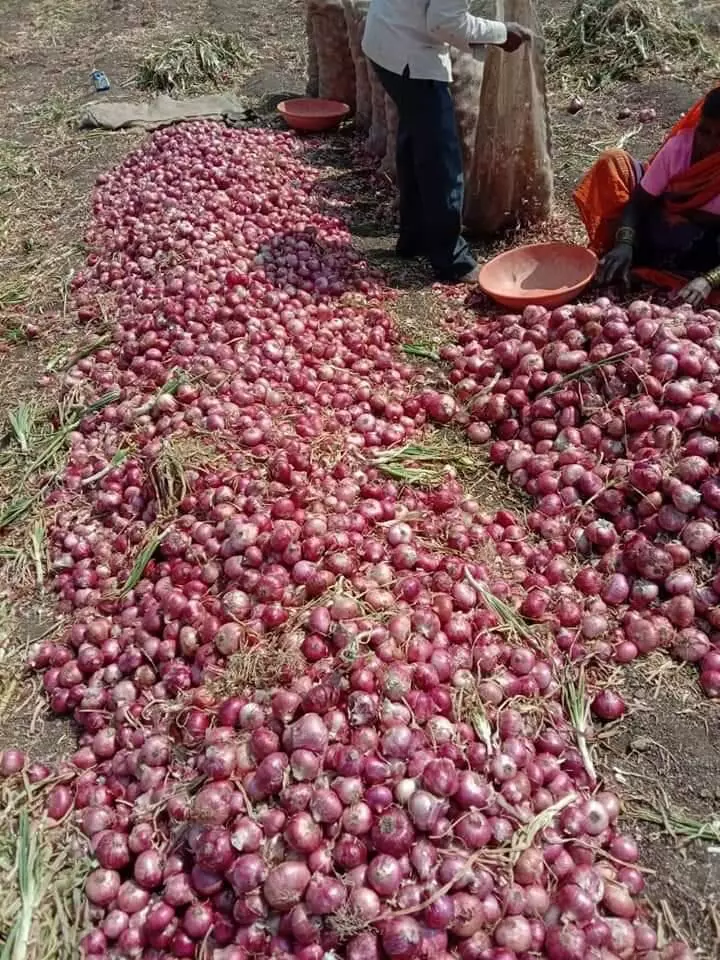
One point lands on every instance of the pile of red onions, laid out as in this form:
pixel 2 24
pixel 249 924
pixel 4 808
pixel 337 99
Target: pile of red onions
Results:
pixel 371 792
pixel 610 419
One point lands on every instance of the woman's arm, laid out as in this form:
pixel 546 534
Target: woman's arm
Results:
pixel 616 265
pixel 640 204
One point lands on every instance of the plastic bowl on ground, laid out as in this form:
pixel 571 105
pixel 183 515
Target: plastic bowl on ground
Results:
pixel 312 114
pixel 546 274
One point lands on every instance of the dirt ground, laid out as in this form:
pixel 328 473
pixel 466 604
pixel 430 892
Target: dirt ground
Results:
pixel 664 756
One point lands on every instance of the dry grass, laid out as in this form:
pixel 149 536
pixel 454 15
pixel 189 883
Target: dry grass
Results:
pixel 469 707
pixel 11 655
pixel 39 211
pixel 440 454
pixel 509 622
pixel 259 664
pixel 18 693
pixel 191 63
pixel 151 542
pixel 605 42
pixel 681 826
pixel 181 456
pixel 348 923
pixel 422 318
pixel 26 475
pixel 43 912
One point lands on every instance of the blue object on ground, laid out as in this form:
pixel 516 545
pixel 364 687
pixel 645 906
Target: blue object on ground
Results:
pixel 100 81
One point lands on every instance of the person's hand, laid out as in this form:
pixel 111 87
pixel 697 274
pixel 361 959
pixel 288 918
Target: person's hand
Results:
pixel 615 266
pixel 517 35
pixel 695 293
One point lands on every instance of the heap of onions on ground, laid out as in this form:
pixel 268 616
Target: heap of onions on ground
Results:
pixel 610 419
pixel 314 724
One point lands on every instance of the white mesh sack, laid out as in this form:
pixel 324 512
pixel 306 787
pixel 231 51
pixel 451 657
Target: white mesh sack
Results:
pixel 355 14
pixel 336 71
pixel 510 181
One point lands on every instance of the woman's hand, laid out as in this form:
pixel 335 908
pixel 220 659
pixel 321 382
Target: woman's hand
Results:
pixel 616 265
pixel 695 293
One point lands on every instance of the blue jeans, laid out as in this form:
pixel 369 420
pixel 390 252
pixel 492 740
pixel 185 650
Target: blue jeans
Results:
pixel 429 173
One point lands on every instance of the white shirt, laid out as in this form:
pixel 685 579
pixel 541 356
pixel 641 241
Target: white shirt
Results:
pixel 418 34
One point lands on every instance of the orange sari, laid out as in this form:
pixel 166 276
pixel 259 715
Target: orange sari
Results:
pixel 606 189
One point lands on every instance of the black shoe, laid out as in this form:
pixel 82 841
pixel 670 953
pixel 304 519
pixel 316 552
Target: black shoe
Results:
pixel 470 278
pixel 408 250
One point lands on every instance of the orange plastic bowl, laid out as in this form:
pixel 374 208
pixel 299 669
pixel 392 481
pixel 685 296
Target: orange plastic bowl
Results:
pixel 312 113
pixel 546 274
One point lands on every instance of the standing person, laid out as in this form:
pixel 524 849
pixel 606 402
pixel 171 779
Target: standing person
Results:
pixel 408 43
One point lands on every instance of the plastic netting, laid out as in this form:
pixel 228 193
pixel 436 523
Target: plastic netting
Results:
pixel 355 14
pixel 510 181
pixel 336 71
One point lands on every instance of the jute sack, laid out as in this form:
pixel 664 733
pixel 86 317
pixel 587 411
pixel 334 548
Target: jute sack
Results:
pixel 511 182
pixel 336 71
pixel 376 142
pixel 388 165
pixel 355 14
pixel 466 89
pixel 313 77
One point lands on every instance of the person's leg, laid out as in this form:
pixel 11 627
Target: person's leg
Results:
pixel 439 173
pixel 411 241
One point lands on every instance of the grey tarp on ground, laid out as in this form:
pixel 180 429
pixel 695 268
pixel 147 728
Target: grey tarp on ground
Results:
pixel 160 111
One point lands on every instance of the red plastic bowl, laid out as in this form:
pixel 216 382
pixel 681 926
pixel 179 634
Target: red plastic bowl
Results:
pixel 546 274
pixel 312 113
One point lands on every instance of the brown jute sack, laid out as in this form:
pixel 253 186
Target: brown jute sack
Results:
pixel 510 182
pixel 336 71
pixel 355 14
pixel 388 165
pixel 313 79
pixel 377 135
pixel 466 88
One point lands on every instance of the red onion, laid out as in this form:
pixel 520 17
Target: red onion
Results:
pixel 514 933
pixel 324 895
pixel 111 850
pixel 401 938
pixel 384 875
pixel 393 833
pixel 11 762
pixel 286 885
pixel 608 705
pixel 102 886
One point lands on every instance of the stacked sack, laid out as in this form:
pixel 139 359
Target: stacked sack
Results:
pixel 313 77
pixel 509 181
pixel 335 68
pixel 355 14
